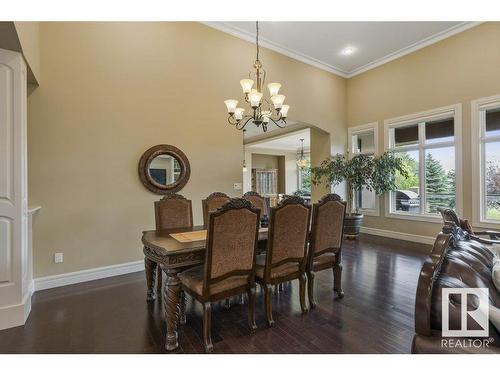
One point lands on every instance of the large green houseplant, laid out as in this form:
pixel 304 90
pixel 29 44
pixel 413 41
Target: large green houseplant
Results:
pixel 361 171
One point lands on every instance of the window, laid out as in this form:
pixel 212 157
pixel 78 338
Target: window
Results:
pixel 486 156
pixel 429 144
pixel 304 177
pixel 364 140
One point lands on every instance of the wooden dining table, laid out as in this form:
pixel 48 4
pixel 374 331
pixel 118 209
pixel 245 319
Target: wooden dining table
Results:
pixel 174 256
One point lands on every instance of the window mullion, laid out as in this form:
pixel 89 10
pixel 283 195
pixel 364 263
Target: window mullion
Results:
pixel 483 198
pixel 421 162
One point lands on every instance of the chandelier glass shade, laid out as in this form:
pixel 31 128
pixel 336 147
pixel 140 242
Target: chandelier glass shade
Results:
pixel 302 161
pixel 262 111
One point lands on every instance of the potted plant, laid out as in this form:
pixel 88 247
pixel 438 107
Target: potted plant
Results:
pixel 361 171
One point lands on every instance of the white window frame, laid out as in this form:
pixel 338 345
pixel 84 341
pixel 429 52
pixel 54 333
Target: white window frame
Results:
pixel 420 118
pixel 360 129
pixel 478 139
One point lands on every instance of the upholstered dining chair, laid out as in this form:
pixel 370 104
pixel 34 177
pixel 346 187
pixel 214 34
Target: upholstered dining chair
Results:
pixel 172 211
pixel 229 268
pixel 212 203
pixel 286 255
pixel 257 201
pixel 325 243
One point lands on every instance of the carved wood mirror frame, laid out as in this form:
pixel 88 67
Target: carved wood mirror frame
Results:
pixel 150 183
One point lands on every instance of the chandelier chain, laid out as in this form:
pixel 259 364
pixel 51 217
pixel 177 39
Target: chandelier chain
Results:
pixel 257 38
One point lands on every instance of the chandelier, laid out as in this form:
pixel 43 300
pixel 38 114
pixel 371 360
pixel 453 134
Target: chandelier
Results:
pixel 302 161
pixel 262 111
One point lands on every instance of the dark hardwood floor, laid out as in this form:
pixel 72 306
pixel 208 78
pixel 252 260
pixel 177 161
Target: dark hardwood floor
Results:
pixel 112 316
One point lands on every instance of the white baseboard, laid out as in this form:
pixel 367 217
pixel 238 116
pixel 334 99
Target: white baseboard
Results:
pixel 55 281
pixel 399 235
pixel 16 315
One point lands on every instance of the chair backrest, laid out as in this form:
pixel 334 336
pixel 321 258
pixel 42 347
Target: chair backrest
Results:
pixel 173 211
pixel 327 225
pixel 232 237
pixel 288 234
pixel 212 203
pixel 257 201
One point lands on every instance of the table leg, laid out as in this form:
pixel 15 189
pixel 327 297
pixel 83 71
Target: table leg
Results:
pixel 171 299
pixel 150 268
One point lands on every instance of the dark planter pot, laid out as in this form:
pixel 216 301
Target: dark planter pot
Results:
pixel 352 223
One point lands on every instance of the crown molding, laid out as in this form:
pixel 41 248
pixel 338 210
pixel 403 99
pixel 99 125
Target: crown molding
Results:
pixel 414 47
pixel 250 37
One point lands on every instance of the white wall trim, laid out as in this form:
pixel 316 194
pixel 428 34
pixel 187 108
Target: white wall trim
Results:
pixel 398 235
pixel 250 37
pixel 414 47
pixel 55 281
pixel 478 190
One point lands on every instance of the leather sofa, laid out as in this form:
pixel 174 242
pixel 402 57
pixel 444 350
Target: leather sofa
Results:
pixel 456 261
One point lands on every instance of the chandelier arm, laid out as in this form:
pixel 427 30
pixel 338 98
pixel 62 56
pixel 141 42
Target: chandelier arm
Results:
pixel 232 120
pixel 280 118
pixel 276 123
pixel 240 127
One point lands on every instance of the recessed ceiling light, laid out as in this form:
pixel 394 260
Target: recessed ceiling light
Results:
pixel 348 51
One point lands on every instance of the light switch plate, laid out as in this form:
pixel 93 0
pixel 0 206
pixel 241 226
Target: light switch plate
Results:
pixel 58 257
pixel 237 186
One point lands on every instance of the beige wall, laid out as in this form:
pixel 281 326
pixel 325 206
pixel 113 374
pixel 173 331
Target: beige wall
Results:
pixel 456 70
pixel 29 38
pixel 112 90
pixel 320 150
pixel 261 161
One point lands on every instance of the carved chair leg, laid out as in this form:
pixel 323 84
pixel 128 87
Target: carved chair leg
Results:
pixel 159 280
pixel 182 308
pixel 251 308
pixel 310 289
pixel 302 292
pixel 207 329
pixel 337 280
pixel 268 290
pixel 150 268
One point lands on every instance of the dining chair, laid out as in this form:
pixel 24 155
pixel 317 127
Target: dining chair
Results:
pixel 229 268
pixel 326 242
pixel 257 201
pixel 212 203
pixel 171 212
pixel 286 255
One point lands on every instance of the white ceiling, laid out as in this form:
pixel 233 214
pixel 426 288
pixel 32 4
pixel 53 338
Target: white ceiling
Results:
pixel 288 142
pixel 321 43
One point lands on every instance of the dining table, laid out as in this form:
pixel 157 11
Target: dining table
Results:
pixel 175 250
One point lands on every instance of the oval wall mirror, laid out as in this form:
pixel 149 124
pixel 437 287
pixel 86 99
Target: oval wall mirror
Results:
pixel 164 169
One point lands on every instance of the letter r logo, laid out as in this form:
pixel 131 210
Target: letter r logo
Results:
pixel 469 312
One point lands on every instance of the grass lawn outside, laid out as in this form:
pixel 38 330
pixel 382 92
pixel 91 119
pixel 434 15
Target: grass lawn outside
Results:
pixel 493 214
